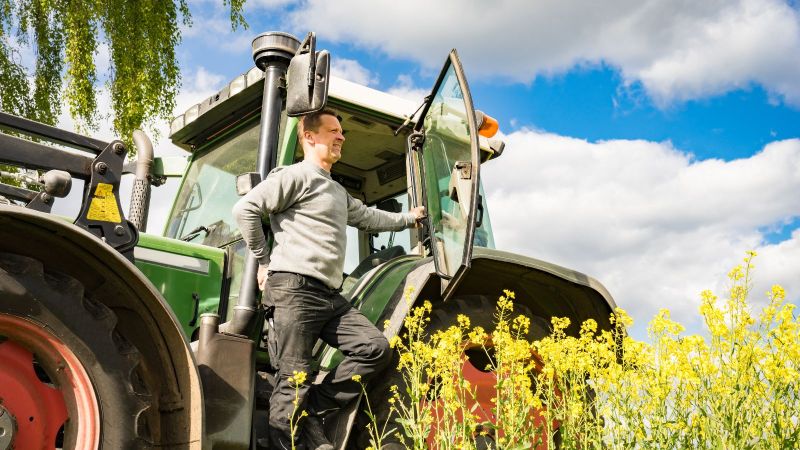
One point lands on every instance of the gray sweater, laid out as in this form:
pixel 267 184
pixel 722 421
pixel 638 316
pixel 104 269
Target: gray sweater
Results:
pixel 308 213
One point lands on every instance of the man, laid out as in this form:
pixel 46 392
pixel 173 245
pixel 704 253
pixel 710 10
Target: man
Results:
pixel 308 214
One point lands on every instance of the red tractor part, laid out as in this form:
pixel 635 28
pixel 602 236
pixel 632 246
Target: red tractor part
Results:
pixel 35 405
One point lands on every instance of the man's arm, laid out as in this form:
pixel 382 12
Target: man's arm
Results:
pixel 275 194
pixel 373 219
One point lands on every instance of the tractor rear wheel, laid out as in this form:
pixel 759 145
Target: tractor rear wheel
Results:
pixel 481 312
pixel 69 379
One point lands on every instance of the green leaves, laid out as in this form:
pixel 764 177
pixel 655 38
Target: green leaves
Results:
pixel 63 37
pixel 80 26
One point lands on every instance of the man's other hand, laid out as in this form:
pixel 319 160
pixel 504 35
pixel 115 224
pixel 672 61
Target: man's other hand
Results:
pixel 262 277
pixel 419 214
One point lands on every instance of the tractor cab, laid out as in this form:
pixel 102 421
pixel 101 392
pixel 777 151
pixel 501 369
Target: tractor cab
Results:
pixel 390 160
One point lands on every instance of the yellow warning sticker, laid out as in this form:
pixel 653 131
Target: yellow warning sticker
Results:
pixel 104 205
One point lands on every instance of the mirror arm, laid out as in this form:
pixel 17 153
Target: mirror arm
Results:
pixel 309 46
pixel 411 117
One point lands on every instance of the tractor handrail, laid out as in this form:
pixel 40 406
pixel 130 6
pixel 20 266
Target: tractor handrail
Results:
pixel 31 155
pixel 50 133
pixel 17 193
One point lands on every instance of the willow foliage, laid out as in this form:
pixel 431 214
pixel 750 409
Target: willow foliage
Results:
pixel 61 38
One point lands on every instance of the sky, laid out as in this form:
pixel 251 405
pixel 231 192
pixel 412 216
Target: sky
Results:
pixel 648 144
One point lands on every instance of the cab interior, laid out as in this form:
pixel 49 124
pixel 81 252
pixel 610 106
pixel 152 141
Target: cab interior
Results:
pixel 373 164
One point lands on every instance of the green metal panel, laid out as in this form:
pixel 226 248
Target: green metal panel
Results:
pixel 288 145
pixel 182 272
pixel 372 300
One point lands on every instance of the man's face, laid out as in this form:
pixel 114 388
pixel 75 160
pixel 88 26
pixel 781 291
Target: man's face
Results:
pixel 328 140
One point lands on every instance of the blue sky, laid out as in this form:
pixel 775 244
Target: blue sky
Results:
pixel 587 100
pixel 649 144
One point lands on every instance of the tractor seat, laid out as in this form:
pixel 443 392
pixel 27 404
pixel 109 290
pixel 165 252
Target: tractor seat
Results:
pixel 376 259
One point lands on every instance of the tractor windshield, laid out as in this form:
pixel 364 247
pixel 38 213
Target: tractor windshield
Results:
pixel 202 211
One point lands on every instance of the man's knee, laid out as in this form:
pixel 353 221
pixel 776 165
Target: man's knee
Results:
pixel 381 352
pixel 292 367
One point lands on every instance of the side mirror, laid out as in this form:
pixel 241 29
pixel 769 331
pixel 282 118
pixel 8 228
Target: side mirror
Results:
pixel 307 79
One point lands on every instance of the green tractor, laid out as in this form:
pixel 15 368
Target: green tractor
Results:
pixel 114 338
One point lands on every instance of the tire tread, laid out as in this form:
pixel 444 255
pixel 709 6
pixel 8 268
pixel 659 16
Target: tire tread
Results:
pixel 112 361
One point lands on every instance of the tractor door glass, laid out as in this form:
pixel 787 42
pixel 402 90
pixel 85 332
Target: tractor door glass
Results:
pixel 450 167
pixel 202 211
pixel 483 231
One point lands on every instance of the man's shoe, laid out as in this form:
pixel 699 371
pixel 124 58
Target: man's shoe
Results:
pixel 314 434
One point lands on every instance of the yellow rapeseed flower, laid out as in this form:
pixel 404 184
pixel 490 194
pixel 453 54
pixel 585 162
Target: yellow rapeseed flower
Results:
pixel 297 378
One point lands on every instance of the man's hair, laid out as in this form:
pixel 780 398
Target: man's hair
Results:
pixel 312 121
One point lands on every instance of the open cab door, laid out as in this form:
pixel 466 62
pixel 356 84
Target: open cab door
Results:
pixel 446 144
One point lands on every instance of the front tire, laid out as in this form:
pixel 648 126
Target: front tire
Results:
pixel 66 349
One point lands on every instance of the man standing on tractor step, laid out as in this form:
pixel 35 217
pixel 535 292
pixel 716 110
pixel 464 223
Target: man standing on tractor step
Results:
pixel 308 213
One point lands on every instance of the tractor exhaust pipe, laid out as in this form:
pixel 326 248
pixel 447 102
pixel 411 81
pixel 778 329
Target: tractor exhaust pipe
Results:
pixel 272 52
pixel 140 197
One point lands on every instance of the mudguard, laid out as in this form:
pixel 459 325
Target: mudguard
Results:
pixel 547 289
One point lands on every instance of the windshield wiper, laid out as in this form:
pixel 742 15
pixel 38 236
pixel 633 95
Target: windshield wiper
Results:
pixel 194 233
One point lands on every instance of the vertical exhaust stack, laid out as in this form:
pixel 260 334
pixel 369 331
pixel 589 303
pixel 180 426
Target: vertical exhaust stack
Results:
pixel 229 389
pixel 272 52
pixel 140 197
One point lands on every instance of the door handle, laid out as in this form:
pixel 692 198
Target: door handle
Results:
pixel 196 298
pixel 479 218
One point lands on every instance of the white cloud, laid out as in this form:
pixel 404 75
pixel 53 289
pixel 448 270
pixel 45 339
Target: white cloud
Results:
pixel 678 50
pixel 780 261
pixel 352 70
pixel 105 127
pixel 213 28
pixel 650 222
pixel 404 87
pixel 202 82
pixel 102 59
pixel 256 5
pixel 249 6
pixel 197 86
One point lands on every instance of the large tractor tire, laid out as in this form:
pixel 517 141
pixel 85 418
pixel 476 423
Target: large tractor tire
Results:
pixel 481 312
pixel 68 378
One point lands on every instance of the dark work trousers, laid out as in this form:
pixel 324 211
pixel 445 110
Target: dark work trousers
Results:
pixel 307 310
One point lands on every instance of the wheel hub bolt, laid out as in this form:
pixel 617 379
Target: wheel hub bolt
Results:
pixel 8 427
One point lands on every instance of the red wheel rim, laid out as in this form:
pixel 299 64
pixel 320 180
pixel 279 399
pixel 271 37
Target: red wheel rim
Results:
pixel 40 409
pixel 484 382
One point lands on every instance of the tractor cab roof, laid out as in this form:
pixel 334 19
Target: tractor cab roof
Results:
pixel 241 99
